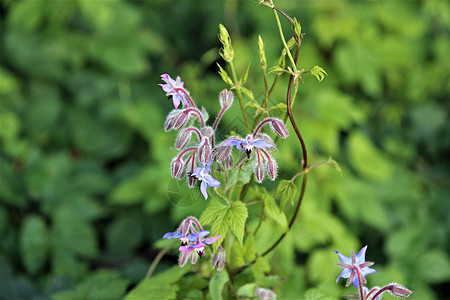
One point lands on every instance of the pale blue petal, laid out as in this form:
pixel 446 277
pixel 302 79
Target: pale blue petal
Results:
pixel 203 190
pixel 261 144
pixel 361 256
pixel 231 142
pixel 211 181
pixel 344 259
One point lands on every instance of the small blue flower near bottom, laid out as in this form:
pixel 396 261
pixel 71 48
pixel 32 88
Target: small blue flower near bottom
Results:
pixel 353 265
pixel 202 174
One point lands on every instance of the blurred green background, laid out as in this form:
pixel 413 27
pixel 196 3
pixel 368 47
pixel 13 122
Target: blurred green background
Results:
pixel 85 185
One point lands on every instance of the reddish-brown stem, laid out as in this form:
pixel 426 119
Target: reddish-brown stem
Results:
pixel 187 95
pixel 361 290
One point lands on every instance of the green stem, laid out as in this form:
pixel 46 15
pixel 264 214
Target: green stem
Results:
pixel 157 259
pixel 238 91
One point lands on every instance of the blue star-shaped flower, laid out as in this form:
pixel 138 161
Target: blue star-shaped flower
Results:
pixel 202 174
pixel 354 265
pixel 248 143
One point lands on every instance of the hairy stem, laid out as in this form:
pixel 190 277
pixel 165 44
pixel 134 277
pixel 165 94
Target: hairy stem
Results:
pixel 241 102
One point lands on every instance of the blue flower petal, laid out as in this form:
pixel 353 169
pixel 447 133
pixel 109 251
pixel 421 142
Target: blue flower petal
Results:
pixel 203 190
pixel 261 144
pixel 211 181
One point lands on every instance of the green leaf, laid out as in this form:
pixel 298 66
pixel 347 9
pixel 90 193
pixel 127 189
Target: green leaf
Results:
pixel 279 107
pixel 334 164
pixel 247 290
pixel 224 75
pixel 272 211
pixel 160 286
pixel 99 286
pixel 246 75
pixel 249 250
pixel 319 73
pixel 287 190
pixel 260 267
pixel 240 175
pixel 214 210
pixel 237 215
pixel 248 93
pixel 316 294
pixel 217 283
pixel 34 243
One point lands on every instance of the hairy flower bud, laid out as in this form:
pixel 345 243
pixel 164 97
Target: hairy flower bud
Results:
pixel 180 120
pixel 204 150
pixel 191 180
pixel 219 259
pixel 207 131
pixel 271 168
pixel 279 128
pixel 222 153
pixel 227 163
pixel 194 258
pixel 226 98
pixel 182 259
pixel 183 138
pixel 259 172
pixel 264 294
pixel 168 125
pixel 177 167
pixel 398 290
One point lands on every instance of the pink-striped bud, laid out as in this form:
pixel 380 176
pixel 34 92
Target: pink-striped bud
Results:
pixel 168 125
pixel 227 163
pixel 182 139
pixel 194 258
pixel 226 98
pixel 191 180
pixel 259 172
pixel 265 294
pixel 182 259
pixel 204 150
pixel 177 167
pixel 399 290
pixel 181 120
pixel 271 168
pixel 222 153
pixel 207 131
pixel 219 259
pixel 279 128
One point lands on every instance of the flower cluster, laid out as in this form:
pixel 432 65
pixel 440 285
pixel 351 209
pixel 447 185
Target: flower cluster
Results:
pixel 193 239
pixel 356 268
pixel 197 154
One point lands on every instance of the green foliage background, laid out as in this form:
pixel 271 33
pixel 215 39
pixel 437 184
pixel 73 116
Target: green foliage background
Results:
pixel 85 185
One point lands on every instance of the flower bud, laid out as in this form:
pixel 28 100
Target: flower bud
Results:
pixel 222 153
pixel 183 138
pixel 227 163
pixel 191 180
pixel 265 294
pixel 204 150
pixel 177 168
pixel 227 52
pixel 180 120
pixel 226 98
pixel 219 259
pixel 262 55
pixel 399 290
pixel 182 259
pixel 279 128
pixel 168 125
pixel 271 168
pixel 194 258
pixel 259 172
pixel 207 131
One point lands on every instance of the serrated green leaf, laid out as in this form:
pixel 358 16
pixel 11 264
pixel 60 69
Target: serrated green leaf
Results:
pixel 214 210
pixel 224 75
pixel 248 250
pixel 217 283
pixel 287 190
pixel 319 73
pixel 240 176
pixel 34 243
pixel 317 294
pixel 237 215
pixel 272 211
pixel 248 93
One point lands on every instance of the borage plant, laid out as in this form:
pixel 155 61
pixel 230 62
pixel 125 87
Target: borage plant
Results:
pixel 226 178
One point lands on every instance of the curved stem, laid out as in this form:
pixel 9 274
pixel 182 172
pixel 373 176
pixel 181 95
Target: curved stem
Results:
pixel 187 95
pixel 157 259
